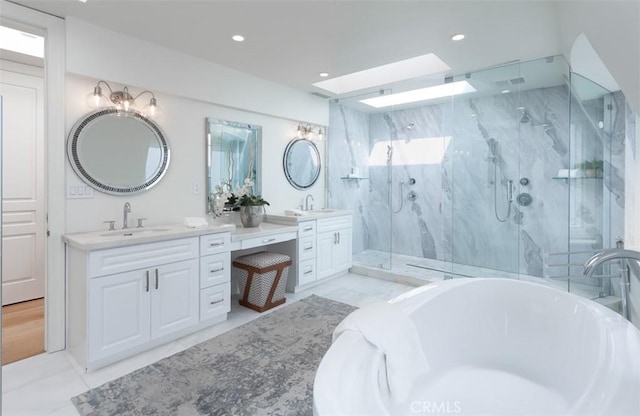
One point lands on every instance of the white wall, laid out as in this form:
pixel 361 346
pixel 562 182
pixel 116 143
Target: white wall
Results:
pixel 189 90
pixel 612 28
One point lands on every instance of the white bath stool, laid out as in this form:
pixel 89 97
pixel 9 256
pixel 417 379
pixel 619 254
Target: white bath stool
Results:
pixel 262 279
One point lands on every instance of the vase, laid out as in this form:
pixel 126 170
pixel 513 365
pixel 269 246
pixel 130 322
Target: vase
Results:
pixel 251 215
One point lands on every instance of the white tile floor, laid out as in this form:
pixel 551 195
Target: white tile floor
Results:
pixel 44 384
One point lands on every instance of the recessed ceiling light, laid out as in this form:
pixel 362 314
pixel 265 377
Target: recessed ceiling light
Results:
pixel 324 74
pixel 421 94
pixel 238 38
pixel 457 37
pixel 83 1
pixel 505 91
pixel 423 65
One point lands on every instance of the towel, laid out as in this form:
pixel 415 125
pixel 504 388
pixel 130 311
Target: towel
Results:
pixel 195 222
pixel 295 212
pixel 391 331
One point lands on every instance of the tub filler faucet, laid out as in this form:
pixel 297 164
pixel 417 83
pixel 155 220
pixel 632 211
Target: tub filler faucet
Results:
pixel 616 254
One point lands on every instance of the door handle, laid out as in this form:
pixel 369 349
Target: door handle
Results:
pixel 335 238
pixel 156 279
pixel 338 238
pixel 147 285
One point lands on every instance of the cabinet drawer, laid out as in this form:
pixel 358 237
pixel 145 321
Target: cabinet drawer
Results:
pixel 122 259
pixel 215 301
pixel 334 223
pixel 215 270
pixel 306 272
pixel 271 239
pixel 307 248
pixel 306 228
pixel 214 243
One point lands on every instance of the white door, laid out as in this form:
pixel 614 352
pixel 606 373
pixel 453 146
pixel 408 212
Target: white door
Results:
pixel 23 216
pixel 175 297
pixel 118 313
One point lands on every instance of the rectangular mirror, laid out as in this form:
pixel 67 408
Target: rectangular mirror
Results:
pixel 233 155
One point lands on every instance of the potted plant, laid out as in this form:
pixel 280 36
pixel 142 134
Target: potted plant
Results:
pixel 251 207
pixel 591 168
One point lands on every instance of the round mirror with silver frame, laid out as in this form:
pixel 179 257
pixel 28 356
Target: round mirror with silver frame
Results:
pixel 301 163
pixel 118 152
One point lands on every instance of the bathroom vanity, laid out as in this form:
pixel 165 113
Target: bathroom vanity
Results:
pixel 323 247
pixel 131 290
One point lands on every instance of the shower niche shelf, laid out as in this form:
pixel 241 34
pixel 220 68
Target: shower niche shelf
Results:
pixel 354 178
pixel 577 177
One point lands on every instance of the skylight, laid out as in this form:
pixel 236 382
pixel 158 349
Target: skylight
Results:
pixel 21 42
pixel 421 94
pixel 419 66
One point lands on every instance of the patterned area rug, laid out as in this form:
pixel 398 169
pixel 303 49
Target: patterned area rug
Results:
pixel 265 367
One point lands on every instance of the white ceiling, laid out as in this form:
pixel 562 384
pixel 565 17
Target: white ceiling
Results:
pixel 290 42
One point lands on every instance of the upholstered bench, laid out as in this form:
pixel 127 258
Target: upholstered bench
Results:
pixel 262 279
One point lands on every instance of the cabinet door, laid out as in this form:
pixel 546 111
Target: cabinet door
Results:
pixel 342 251
pixel 324 249
pixel 118 313
pixel 174 297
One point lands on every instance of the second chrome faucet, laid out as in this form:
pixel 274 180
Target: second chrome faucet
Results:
pixel 125 218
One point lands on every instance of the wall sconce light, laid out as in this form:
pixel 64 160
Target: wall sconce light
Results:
pixel 121 99
pixel 305 129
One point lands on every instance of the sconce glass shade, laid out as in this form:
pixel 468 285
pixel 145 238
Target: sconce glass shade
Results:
pixel 152 109
pixel 97 99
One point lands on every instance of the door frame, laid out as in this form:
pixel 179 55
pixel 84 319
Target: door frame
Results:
pixel 54 96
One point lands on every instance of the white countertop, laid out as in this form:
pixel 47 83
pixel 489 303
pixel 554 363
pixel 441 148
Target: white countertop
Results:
pixel 263 230
pixel 97 240
pixel 281 218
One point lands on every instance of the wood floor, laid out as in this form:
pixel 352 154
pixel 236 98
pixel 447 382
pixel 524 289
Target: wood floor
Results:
pixel 22 330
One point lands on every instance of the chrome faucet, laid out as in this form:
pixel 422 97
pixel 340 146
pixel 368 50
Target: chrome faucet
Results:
pixel 306 202
pixel 614 254
pixel 126 212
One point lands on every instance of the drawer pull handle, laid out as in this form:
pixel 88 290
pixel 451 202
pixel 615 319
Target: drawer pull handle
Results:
pixel 216 301
pixel 307 229
pixel 156 279
pixel 308 248
pixel 268 240
pixel 216 270
pixel 308 271
pixel 146 289
pixel 216 244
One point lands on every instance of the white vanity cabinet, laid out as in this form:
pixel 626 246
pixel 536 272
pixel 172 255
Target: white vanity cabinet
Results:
pixel 307 252
pixel 334 251
pixel 127 299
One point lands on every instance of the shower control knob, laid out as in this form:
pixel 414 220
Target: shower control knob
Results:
pixel 412 196
pixel 412 181
pixel 524 181
pixel 524 199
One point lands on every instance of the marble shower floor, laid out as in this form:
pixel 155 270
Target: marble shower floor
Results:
pixel 44 384
pixel 413 270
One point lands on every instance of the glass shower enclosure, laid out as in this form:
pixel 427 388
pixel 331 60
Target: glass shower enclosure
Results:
pixel 523 178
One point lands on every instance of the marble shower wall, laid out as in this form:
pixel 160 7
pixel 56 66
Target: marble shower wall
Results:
pixel 455 214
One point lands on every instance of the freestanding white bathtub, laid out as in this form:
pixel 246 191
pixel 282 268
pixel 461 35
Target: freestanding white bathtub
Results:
pixel 493 347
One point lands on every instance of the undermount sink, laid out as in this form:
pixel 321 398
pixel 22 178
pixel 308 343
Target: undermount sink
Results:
pixel 321 211
pixel 130 232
